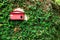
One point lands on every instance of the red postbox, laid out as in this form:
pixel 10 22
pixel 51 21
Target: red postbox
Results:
pixel 17 14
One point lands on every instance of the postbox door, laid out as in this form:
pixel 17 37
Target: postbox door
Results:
pixel 16 16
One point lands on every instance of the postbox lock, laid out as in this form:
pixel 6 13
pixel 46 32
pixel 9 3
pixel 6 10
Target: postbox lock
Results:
pixel 20 16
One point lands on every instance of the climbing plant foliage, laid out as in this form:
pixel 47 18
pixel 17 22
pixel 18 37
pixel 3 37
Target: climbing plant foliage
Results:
pixel 42 25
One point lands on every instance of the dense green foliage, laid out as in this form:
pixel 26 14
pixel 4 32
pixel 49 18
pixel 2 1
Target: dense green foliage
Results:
pixel 41 25
pixel 57 1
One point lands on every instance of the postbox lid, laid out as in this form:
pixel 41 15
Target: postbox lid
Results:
pixel 18 9
pixel 17 12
